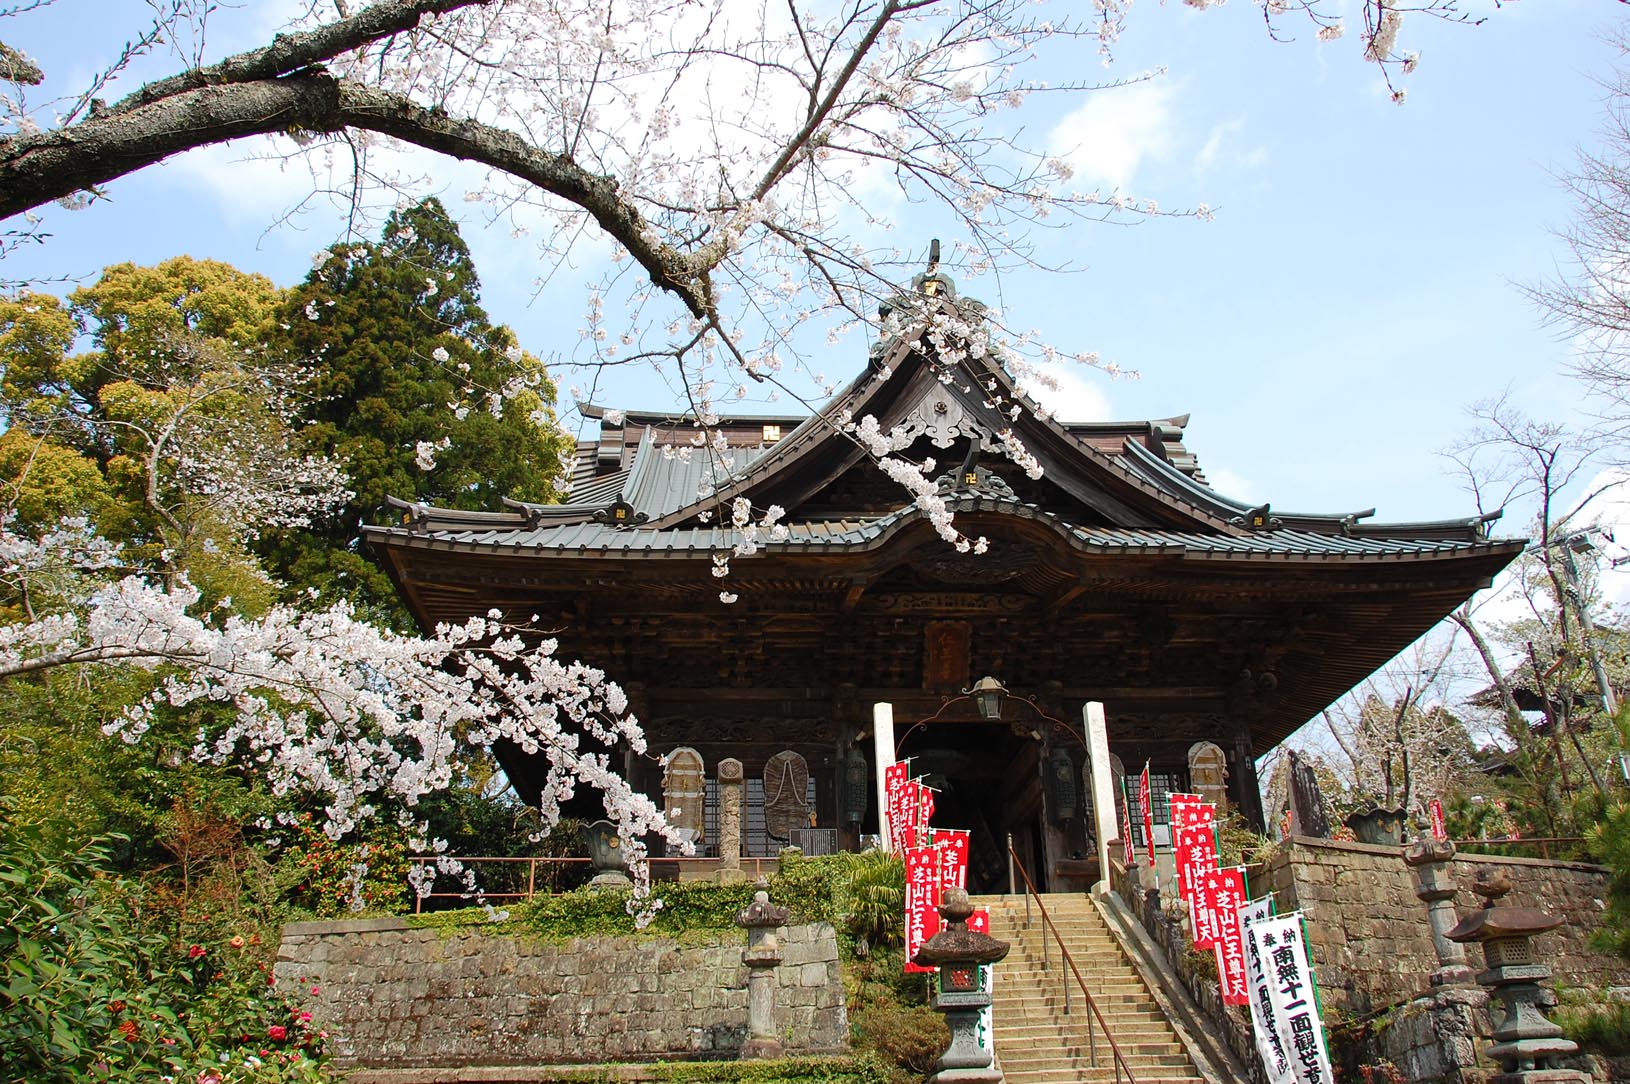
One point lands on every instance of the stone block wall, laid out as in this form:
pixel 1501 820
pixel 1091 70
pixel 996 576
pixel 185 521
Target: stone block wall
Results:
pixel 391 994
pixel 1368 933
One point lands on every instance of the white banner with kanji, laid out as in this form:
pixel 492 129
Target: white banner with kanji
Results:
pixel 1270 1045
pixel 1289 976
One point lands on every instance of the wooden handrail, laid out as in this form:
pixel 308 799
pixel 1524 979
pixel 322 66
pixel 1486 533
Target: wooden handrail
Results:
pixel 1092 1006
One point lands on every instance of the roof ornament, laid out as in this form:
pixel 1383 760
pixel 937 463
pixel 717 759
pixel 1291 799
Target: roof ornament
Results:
pixel 415 514
pixel 620 514
pixel 931 283
pixel 972 478
pixel 1480 524
pixel 1260 518
pixel 1350 520
pixel 531 513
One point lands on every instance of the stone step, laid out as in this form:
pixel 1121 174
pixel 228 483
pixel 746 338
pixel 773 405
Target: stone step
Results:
pixel 1037 1042
pixel 1082 1044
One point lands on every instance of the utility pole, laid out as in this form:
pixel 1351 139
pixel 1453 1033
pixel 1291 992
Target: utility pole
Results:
pixel 1581 543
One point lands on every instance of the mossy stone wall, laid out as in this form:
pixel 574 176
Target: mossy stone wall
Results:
pixel 392 993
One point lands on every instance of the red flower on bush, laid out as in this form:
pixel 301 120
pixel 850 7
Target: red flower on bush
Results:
pixel 195 952
pixel 278 1031
pixel 130 1031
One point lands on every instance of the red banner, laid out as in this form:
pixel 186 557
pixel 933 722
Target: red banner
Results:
pixel 1146 811
pixel 922 895
pixel 895 777
pixel 1126 826
pixel 979 921
pixel 1226 888
pixel 952 843
pixel 1188 811
pixel 1438 830
pixel 1195 847
pixel 1203 917
pixel 923 836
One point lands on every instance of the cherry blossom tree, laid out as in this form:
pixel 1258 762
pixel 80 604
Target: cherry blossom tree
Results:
pixel 324 704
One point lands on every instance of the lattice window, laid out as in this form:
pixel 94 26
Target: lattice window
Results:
pixel 1161 787
pixel 755 841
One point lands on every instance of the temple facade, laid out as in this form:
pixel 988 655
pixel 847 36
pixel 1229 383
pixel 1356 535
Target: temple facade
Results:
pixel 1208 628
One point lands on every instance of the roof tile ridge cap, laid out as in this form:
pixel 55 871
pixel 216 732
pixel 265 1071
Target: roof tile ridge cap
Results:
pixel 422 512
pixel 992 366
pixel 822 426
pixel 634 483
pixel 1159 462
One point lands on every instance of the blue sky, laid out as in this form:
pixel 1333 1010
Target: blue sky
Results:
pixel 1353 294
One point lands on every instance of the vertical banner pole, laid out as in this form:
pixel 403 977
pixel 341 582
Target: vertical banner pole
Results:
pixel 883 753
pixel 1103 788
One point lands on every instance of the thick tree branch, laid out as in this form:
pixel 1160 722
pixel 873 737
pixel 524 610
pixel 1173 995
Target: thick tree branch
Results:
pixel 48 165
pixel 301 49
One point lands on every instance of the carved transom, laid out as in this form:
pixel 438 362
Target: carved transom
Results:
pixel 942 420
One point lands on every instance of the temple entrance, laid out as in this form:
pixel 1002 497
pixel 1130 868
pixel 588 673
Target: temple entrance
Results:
pixel 986 779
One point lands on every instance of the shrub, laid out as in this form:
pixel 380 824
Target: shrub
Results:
pixel 91 990
pixel 1602 1028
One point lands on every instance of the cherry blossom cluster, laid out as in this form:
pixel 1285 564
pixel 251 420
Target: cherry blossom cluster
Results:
pixel 363 720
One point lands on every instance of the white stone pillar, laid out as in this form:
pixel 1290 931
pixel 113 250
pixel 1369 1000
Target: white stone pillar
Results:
pixel 1106 821
pixel 883 754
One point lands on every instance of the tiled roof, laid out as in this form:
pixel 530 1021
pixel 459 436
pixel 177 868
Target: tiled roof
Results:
pixel 593 539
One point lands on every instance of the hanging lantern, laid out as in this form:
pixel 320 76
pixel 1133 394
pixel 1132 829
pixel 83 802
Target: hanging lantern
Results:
pixel 987 696
pixel 1063 793
pixel 857 787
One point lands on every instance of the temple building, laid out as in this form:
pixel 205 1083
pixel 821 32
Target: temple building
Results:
pixel 1208 628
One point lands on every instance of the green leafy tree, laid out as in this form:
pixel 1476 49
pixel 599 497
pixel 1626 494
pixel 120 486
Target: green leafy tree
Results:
pixel 417 392
pixel 172 432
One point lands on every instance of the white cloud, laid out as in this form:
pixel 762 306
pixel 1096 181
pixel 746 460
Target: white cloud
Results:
pixel 1077 398
pixel 1114 132
pixel 1230 484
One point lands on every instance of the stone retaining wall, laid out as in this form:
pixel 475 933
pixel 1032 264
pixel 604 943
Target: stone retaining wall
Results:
pixel 392 994
pixel 1368 933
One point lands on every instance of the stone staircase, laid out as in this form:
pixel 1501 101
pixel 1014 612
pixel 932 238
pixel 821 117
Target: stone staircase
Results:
pixel 1036 1041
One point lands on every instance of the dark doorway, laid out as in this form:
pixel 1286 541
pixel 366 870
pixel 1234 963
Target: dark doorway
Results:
pixel 983 775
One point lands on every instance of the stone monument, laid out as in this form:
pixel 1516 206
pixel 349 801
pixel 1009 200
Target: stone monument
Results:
pixel 1307 815
pixel 1435 887
pixel 1208 774
pixel 762 956
pixel 683 786
pixel 786 779
pixel 730 783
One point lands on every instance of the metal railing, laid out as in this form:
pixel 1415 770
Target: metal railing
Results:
pixel 1543 844
pixel 1095 1019
pixel 752 866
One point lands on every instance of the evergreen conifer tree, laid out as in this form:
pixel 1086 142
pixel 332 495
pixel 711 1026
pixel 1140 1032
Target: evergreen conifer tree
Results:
pixel 416 392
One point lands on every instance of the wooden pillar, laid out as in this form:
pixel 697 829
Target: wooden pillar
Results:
pixel 1247 788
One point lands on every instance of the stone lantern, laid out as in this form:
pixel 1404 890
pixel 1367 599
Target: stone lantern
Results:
pixel 762 956
pixel 1526 1043
pixel 958 952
